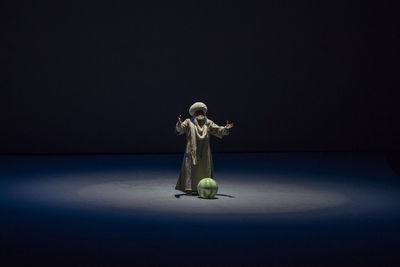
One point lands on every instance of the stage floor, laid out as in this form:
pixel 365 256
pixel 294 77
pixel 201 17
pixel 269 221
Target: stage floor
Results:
pixel 278 208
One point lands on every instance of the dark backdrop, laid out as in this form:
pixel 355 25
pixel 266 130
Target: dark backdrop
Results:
pixel 111 78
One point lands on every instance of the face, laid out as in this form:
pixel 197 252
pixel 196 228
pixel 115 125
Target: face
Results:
pixel 199 112
pixel 200 117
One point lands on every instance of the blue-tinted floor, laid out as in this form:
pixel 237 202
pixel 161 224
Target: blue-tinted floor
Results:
pixel 280 208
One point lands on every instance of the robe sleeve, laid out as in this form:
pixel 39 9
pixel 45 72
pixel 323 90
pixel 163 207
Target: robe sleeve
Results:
pixel 181 129
pixel 218 131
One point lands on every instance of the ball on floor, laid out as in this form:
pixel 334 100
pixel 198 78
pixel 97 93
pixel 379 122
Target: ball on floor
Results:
pixel 207 188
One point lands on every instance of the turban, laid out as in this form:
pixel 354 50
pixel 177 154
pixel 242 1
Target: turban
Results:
pixel 197 106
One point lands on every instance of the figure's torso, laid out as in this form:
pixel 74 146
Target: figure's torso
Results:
pixel 201 137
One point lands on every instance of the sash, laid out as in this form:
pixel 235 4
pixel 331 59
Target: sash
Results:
pixel 194 135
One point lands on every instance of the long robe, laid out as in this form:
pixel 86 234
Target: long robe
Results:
pixel 197 161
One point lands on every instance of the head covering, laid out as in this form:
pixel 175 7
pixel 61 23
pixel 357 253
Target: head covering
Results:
pixel 196 106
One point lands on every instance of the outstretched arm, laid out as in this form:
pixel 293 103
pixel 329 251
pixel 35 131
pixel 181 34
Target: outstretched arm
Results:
pixel 220 131
pixel 181 126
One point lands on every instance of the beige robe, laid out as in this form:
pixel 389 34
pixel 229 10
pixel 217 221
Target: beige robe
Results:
pixel 197 160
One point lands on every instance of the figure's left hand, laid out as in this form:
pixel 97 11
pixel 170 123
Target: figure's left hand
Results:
pixel 229 125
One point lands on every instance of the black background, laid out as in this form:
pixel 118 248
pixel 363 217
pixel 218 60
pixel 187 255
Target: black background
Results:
pixel 112 78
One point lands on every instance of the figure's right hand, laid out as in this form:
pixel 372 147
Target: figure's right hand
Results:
pixel 179 119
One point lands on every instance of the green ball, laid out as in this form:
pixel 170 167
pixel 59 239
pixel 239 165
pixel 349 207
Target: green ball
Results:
pixel 207 188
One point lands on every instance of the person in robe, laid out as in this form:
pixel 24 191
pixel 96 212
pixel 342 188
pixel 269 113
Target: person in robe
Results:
pixel 197 160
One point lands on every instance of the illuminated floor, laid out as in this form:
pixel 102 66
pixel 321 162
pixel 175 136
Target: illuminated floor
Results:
pixel 299 208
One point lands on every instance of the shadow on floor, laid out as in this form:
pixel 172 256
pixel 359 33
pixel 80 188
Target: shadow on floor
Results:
pixel 222 195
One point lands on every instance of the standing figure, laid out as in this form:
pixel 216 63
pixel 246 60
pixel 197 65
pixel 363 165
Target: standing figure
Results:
pixel 197 161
